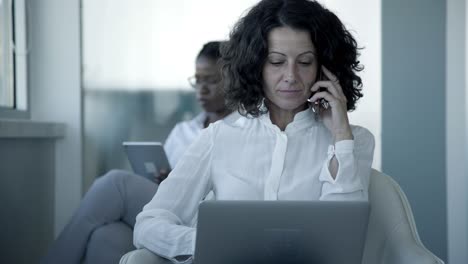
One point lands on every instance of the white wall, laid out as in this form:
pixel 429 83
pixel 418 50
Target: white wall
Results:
pixel 55 86
pixel 457 131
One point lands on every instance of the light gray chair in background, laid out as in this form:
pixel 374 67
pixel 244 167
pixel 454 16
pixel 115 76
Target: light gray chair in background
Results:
pixel 392 237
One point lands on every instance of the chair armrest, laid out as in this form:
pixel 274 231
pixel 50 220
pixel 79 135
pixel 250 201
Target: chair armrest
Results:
pixel 401 247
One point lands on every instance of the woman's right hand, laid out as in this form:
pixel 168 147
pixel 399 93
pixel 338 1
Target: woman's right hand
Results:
pixel 163 173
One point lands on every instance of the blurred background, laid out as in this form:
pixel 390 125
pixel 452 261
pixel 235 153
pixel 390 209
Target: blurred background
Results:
pixel 86 75
pixel 137 57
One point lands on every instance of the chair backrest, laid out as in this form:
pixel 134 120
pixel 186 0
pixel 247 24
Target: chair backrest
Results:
pixel 392 236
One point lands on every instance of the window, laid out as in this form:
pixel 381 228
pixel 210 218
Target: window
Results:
pixel 150 44
pixel 6 57
pixel 13 52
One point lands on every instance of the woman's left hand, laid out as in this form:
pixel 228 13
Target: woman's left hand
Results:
pixel 335 117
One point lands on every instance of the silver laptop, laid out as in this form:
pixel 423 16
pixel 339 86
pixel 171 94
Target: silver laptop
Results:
pixel 286 232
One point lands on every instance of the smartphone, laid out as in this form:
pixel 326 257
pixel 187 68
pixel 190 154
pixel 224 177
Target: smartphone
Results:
pixel 317 106
pixel 147 159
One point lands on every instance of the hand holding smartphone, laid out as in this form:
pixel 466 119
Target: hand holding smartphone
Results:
pixel 322 103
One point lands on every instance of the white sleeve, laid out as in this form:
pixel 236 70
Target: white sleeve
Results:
pixel 171 145
pixel 354 167
pixel 166 224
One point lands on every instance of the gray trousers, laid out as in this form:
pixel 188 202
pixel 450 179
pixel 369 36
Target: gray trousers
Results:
pixel 143 256
pixel 101 230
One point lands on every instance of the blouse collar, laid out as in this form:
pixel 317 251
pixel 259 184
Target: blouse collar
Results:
pixel 303 119
pixel 200 119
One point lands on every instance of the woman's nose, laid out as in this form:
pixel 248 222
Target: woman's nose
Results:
pixel 203 88
pixel 290 74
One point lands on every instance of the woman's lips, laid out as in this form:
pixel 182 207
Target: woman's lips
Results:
pixel 289 91
pixel 203 101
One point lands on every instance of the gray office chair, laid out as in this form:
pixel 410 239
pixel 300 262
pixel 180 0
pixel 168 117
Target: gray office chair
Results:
pixel 392 236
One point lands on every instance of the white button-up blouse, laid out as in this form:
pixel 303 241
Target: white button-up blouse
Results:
pixel 242 158
pixel 181 136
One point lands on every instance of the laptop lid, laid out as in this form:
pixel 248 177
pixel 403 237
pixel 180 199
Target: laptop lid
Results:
pixel 323 232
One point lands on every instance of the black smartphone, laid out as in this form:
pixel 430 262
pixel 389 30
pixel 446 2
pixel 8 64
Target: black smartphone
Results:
pixel 322 103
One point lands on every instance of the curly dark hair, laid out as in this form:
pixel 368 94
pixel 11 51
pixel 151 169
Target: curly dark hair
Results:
pixel 245 54
pixel 211 50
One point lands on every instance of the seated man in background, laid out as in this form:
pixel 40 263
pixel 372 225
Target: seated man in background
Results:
pixel 101 230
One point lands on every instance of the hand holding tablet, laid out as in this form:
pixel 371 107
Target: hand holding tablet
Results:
pixel 148 159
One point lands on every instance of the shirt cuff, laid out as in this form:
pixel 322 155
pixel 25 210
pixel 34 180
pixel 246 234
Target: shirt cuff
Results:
pixel 188 260
pixel 344 146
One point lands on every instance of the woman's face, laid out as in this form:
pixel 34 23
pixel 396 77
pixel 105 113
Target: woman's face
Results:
pixel 209 90
pixel 290 69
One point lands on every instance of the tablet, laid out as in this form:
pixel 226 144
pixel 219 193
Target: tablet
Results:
pixel 146 158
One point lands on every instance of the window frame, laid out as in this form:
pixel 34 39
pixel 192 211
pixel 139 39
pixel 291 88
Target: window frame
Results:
pixel 16 41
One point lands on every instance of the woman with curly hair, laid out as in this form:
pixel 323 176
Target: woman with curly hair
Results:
pixel 290 70
pixel 100 231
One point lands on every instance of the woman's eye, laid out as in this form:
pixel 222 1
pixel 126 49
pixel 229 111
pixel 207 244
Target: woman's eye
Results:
pixel 305 62
pixel 276 63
